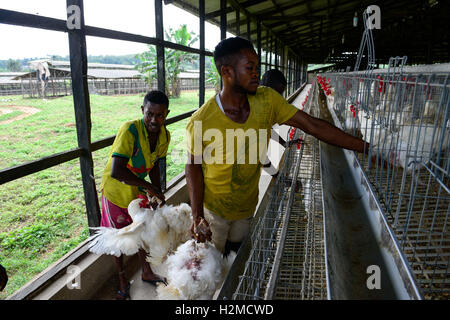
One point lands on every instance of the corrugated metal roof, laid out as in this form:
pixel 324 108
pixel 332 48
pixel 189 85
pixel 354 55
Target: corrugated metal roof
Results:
pixel 92 73
pixel 315 29
pixel 104 74
pixel 8 77
pixel 108 73
pixel 92 65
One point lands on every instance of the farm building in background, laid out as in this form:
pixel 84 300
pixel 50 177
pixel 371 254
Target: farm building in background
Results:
pixel 52 79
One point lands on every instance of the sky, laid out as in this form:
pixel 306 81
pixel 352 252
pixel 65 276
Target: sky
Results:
pixel 133 16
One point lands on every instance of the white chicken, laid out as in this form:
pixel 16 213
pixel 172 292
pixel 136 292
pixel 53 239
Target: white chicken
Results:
pixel 195 272
pixel 414 144
pixel 125 241
pixel 406 147
pixel 166 231
pixel 158 231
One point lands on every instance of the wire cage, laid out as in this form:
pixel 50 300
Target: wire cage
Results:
pixel 404 117
pixel 287 259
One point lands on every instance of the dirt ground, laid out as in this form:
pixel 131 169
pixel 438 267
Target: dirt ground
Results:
pixel 26 111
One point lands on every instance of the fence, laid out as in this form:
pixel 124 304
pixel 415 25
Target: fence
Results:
pixel 33 88
pixel 404 117
pixel 62 87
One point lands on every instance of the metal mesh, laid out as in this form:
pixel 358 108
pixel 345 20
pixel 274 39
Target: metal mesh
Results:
pixel 302 273
pixel 404 117
pixel 286 259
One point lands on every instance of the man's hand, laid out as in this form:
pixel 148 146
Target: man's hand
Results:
pixel 154 192
pixel 200 230
pixel 392 157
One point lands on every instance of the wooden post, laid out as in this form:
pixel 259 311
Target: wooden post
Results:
pixel 78 68
pixel 159 24
pixel 21 87
pixel 53 88
pixel 238 22
pixel 223 19
pixel 249 36
pixel 201 13
pixel 276 54
pixel 65 85
pixel 270 52
pixel 258 43
pixel 31 88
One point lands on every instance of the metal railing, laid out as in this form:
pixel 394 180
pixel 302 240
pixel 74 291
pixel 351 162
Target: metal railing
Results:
pixel 287 259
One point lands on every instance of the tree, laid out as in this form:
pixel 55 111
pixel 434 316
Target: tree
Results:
pixel 13 65
pixel 213 76
pixel 174 60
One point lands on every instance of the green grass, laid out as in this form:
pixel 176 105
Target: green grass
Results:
pixel 43 215
pixel 9 115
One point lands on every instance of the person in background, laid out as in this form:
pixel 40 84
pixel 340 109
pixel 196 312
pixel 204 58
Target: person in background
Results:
pixel 135 153
pixel 276 80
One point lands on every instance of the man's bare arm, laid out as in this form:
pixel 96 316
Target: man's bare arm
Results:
pixel 326 132
pixel 120 172
pixel 195 184
pixel 194 180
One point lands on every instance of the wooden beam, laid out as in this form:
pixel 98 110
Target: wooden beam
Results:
pixel 81 103
pixel 22 170
pixel 161 72
pixel 160 59
pixel 238 22
pixel 237 5
pixel 31 20
pixel 223 19
pixel 246 4
pixel 258 43
pixel 19 171
pixel 201 6
pixel 35 21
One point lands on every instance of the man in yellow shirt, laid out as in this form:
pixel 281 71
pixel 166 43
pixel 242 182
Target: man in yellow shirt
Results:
pixel 138 146
pixel 222 174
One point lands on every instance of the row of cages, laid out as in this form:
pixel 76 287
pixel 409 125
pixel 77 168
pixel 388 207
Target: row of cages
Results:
pixel 404 118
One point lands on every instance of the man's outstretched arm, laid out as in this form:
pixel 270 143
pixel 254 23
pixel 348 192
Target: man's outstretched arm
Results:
pixel 326 132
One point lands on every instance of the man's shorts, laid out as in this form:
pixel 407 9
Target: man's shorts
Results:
pixel 223 230
pixel 114 216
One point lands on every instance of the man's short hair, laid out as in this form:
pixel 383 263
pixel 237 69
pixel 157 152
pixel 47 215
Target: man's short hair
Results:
pixel 273 78
pixel 227 49
pixel 157 97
